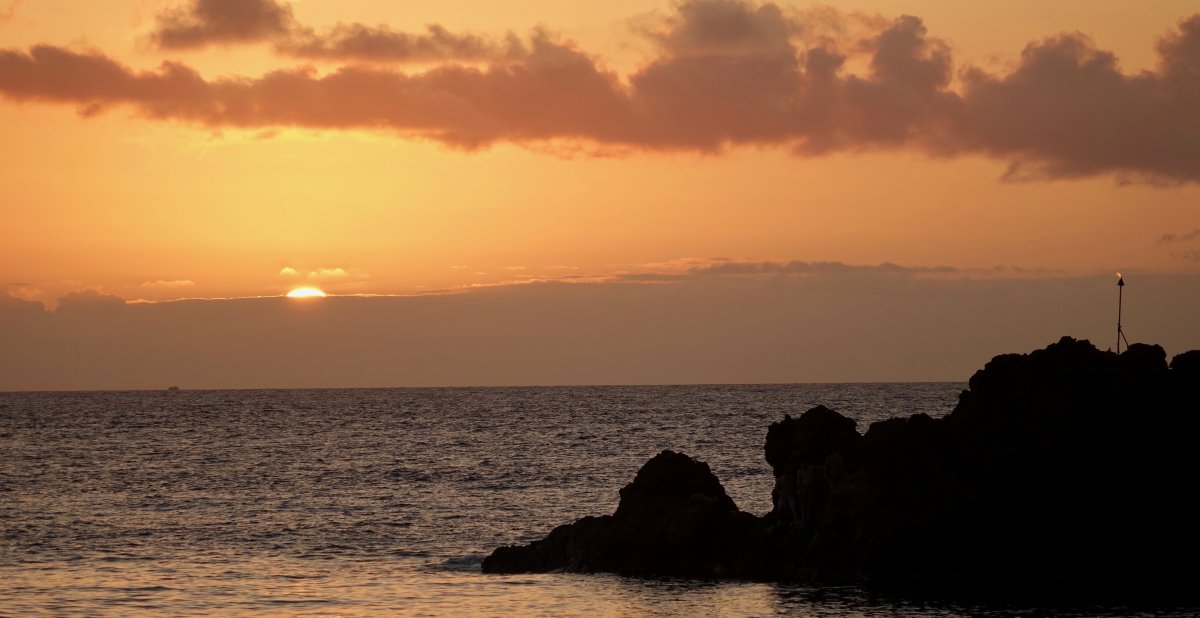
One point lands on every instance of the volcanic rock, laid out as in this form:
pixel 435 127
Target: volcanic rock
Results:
pixel 674 518
pixel 1065 466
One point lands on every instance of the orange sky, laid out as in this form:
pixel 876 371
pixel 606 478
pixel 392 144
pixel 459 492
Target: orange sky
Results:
pixel 153 190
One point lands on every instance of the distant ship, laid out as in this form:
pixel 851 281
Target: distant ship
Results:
pixel 172 389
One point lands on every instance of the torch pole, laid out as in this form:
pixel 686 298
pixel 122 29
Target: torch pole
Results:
pixel 1120 299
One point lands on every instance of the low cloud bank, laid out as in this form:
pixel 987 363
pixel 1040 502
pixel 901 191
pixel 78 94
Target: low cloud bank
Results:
pixel 867 325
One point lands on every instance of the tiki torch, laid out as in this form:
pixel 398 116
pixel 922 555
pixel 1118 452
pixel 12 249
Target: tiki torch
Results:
pixel 1120 299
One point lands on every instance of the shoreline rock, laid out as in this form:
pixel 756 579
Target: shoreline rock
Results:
pixel 1063 466
pixel 674 518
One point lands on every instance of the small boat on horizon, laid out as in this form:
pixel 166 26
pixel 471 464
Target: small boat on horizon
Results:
pixel 173 389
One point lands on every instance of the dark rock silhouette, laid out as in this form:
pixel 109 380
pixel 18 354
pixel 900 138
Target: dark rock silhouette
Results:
pixel 1067 465
pixel 674 518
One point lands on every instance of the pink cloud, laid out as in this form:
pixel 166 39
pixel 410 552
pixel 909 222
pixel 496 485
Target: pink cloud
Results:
pixel 727 73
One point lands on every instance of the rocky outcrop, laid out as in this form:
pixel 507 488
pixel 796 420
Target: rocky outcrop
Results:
pixel 1068 464
pixel 674 518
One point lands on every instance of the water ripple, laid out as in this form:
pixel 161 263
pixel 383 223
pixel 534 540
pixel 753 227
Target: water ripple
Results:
pixel 345 502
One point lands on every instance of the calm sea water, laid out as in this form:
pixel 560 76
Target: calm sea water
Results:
pixel 382 501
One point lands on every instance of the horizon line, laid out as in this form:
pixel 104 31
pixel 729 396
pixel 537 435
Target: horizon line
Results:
pixel 467 387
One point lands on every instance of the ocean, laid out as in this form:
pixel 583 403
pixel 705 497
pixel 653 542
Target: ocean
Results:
pixel 385 501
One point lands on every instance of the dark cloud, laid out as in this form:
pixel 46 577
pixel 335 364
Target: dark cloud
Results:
pixel 709 329
pixel 703 28
pixel 557 92
pixel 1069 111
pixel 1181 238
pixel 13 308
pixel 1174 238
pixel 382 44
pixel 89 300
pixel 202 23
pixel 698 269
pixel 726 73
pixel 206 22
pixel 796 267
pixel 905 100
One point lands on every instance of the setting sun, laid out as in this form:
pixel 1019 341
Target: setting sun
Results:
pixel 306 293
pixel 783 237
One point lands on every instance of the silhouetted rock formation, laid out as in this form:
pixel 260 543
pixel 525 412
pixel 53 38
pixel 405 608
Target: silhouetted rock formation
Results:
pixel 1065 465
pixel 673 518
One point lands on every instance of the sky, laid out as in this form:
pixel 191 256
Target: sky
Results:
pixel 633 191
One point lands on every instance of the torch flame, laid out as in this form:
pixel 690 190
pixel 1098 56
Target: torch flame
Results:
pixel 1118 275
